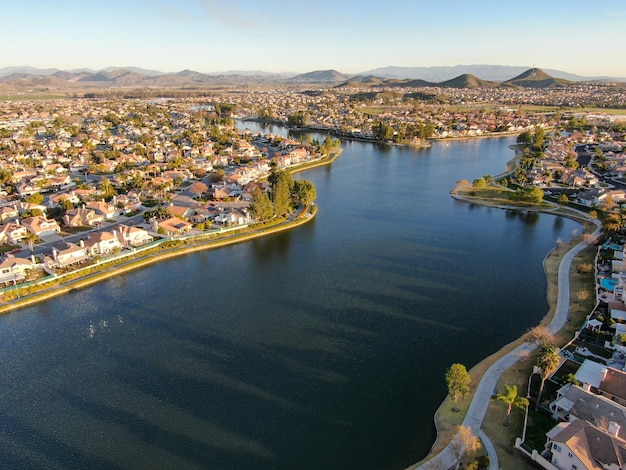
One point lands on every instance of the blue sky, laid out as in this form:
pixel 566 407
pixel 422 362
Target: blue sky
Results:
pixel 350 36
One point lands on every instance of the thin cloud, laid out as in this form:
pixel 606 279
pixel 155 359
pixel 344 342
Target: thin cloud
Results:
pixel 230 16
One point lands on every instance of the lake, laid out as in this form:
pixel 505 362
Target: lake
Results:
pixel 322 347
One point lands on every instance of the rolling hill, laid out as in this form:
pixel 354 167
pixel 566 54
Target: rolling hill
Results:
pixel 24 78
pixel 536 78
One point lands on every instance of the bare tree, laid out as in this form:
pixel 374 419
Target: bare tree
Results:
pixel 465 445
pixel 540 335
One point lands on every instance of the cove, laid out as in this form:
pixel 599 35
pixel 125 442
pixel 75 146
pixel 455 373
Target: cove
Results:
pixel 321 347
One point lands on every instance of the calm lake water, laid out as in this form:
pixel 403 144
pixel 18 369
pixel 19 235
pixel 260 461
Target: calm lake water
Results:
pixel 324 347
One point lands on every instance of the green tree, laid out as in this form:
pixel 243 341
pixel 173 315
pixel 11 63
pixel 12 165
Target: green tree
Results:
pixel 66 204
pixel 328 143
pixel 35 198
pixel 563 199
pixel 512 399
pixel 458 381
pixel 282 197
pixel 158 213
pixel 383 131
pixel 304 191
pixel 261 206
pixel 525 138
pixel 539 137
pixel 107 189
pixel 548 361
pixel 31 238
pixel 479 183
pixel 534 195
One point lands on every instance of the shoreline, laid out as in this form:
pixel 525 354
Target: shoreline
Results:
pixel 427 141
pixel 485 364
pixel 56 290
pixel 107 272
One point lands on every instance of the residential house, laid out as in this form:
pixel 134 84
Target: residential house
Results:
pixel 234 216
pixel 580 445
pixel 603 380
pixel 102 243
pixel 172 226
pixel 8 213
pixel 591 198
pixel 100 207
pixel 54 200
pixel 133 236
pixel 41 226
pixel 30 207
pixel 13 233
pixel 13 270
pixel 573 402
pixel 58 183
pixel 71 254
pixel 81 217
pixel 27 189
pixel 180 211
pixel 127 203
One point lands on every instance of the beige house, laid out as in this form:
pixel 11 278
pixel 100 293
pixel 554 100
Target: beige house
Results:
pixel 173 226
pixel 41 226
pixel 13 270
pixel 133 236
pixel 71 254
pixel 581 445
pixel 12 233
pixel 81 216
pixel 102 243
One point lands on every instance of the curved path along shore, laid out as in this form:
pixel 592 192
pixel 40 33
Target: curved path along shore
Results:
pixel 478 408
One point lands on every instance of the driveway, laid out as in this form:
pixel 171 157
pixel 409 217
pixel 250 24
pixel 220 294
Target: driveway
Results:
pixel 51 238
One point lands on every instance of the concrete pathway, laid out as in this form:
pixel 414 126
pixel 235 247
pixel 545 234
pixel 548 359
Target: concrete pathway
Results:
pixel 478 408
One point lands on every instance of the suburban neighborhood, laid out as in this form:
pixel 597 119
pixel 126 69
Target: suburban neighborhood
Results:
pixel 90 181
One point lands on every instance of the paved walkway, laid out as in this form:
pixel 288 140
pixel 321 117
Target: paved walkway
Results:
pixel 478 408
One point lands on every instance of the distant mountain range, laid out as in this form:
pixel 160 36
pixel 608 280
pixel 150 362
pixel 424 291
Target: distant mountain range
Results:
pixel 459 76
pixel 531 78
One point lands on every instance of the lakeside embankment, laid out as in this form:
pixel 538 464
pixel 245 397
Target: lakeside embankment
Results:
pixel 446 422
pixel 107 270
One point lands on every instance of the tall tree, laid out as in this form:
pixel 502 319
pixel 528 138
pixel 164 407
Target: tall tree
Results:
pixel 512 399
pixel 261 206
pixel 304 191
pixel 282 198
pixel 458 381
pixel 548 361
pixel 107 189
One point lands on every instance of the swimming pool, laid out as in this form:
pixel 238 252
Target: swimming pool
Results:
pixel 608 284
pixel 612 246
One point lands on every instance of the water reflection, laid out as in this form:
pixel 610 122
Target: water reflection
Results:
pixel 324 344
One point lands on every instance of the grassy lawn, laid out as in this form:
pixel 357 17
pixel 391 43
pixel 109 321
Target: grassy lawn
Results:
pixel 74 230
pixel 538 425
pixel 5 248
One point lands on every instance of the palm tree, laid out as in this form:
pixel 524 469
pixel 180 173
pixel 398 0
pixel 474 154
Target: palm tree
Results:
pixel 30 239
pixel 548 361
pixel 512 399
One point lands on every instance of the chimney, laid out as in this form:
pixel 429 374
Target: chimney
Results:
pixel 32 259
pixel 82 244
pixel 614 428
pixel 55 254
